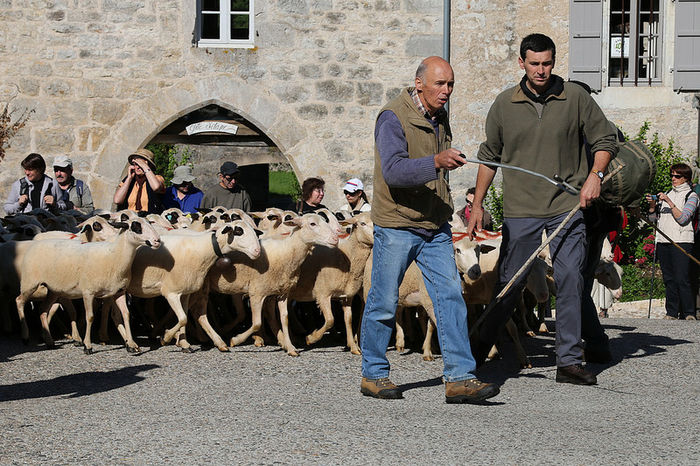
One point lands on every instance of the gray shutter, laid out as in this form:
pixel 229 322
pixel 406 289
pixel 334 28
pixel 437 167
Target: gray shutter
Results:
pixel 686 75
pixel 585 42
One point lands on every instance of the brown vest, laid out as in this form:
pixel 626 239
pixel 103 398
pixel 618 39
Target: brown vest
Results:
pixel 423 206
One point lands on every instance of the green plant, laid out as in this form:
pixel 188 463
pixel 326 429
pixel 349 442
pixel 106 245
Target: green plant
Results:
pixel 167 158
pixel 494 204
pixel 637 281
pixel 284 182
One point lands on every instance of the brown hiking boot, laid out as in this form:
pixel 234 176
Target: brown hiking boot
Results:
pixel 380 388
pixel 469 391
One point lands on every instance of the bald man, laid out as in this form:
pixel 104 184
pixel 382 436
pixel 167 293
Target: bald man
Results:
pixel 410 209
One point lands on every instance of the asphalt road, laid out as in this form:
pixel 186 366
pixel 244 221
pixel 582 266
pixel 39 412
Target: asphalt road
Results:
pixel 260 406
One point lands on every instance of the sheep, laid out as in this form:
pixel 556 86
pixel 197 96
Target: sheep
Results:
pixel 77 270
pixel 91 230
pixel 273 274
pixel 336 273
pixel 179 267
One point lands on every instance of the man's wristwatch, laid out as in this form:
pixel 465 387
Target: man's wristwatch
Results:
pixel 599 174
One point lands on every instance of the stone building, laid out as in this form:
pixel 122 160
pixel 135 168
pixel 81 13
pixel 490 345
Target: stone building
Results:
pixel 307 77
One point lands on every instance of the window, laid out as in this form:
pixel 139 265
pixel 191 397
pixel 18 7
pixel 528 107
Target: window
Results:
pixel 225 23
pixel 624 40
pixel 635 45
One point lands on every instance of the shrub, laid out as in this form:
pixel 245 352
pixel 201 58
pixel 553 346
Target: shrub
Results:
pixel 167 158
pixel 636 282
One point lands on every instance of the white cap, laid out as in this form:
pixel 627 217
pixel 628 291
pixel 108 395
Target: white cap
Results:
pixel 353 185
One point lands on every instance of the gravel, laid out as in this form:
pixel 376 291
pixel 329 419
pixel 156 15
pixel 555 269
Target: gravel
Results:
pixel 260 406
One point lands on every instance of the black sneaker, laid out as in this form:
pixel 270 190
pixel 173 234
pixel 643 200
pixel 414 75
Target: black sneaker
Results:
pixel 576 375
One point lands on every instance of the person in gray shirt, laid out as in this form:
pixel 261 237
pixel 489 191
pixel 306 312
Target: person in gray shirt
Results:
pixel 34 190
pixel 228 193
pixel 73 193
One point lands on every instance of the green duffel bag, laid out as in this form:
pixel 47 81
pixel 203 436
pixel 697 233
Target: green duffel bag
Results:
pixel 629 184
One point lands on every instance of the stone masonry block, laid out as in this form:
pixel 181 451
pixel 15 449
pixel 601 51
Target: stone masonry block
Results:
pixel 107 112
pixel 334 91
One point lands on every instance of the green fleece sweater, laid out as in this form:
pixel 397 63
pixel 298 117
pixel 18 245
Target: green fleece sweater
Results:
pixel 547 141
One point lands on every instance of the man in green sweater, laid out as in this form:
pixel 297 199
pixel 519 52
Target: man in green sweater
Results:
pixel 540 125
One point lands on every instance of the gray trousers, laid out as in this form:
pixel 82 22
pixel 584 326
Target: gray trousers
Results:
pixel 521 237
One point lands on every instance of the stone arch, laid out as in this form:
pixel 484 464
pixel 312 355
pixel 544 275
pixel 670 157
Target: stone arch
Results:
pixel 148 117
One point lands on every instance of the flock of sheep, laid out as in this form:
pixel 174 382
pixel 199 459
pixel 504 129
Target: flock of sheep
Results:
pixel 273 258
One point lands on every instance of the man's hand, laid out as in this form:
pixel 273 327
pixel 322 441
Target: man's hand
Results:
pixel 476 220
pixel 449 159
pixel 590 190
pixel 48 200
pixel 23 200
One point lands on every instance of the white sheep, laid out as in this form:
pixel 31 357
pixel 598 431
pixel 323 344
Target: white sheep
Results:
pixel 273 274
pixel 178 268
pixel 86 270
pixel 336 273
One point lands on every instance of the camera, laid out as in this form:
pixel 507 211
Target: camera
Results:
pixel 654 197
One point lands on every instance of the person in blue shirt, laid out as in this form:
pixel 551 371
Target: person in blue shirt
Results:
pixel 183 194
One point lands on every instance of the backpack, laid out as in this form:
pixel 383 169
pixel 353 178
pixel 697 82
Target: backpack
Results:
pixel 629 184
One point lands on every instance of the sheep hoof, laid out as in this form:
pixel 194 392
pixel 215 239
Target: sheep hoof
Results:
pixel 356 351
pixel 429 357
pixel 87 350
pixel 530 333
pixel 399 349
pixel 133 349
pixel 77 343
pixel 188 350
pixel 293 353
pixel 224 349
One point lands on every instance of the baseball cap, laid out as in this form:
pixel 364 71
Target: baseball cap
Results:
pixel 353 185
pixel 62 161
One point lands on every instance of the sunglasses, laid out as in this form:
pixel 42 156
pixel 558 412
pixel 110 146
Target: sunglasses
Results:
pixel 229 177
pixel 673 175
pixel 348 193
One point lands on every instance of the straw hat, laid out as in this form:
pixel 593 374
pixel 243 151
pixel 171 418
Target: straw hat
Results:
pixel 145 154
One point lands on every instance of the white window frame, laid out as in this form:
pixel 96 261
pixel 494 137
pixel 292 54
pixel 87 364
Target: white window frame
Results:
pixel 225 40
pixel 661 50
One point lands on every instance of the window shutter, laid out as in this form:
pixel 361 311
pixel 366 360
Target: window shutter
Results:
pixel 686 74
pixel 585 46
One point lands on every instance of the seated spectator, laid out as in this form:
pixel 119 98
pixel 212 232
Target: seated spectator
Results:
pixel 312 192
pixel 183 194
pixel 34 190
pixel 141 189
pixel 228 193
pixel 466 211
pixel 356 197
pixel 73 193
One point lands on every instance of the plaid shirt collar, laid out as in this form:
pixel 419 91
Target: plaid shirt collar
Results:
pixel 421 107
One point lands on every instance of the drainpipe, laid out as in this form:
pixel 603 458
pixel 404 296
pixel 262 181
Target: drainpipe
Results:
pixel 696 104
pixel 446 20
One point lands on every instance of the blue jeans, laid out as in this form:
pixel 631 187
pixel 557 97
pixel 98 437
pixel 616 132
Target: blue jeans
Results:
pixel 393 252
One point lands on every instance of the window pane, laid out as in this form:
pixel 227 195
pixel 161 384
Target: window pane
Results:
pixel 210 26
pixel 210 5
pixel 240 5
pixel 240 25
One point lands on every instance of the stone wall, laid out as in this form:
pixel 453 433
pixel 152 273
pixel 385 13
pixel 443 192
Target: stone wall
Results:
pixel 106 76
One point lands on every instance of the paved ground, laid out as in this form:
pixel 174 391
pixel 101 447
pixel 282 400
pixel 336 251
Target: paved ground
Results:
pixel 260 406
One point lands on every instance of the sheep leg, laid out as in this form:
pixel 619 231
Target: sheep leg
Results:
pixel 325 305
pixel 67 306
pixel 116 315
pixel 541 314
pixel 131 346
pixel 44 317
pixel 400 339
pixel 20 301
pixel 200 315
pixel 284 320
pixel 429 330
pixel 523 316
pixel 519 350
pixel 176 305
pixel 256 309
pixel 349 337
pixel 88 301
